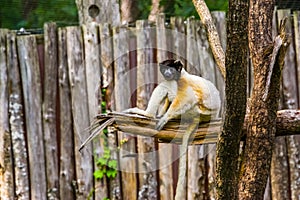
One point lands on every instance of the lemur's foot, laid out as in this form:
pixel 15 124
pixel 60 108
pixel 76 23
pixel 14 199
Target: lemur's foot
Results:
pixel 161 123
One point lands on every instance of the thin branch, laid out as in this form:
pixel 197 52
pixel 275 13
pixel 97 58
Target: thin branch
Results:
pixel 213 36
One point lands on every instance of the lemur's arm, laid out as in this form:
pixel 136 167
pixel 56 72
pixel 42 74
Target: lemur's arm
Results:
pixel 158 95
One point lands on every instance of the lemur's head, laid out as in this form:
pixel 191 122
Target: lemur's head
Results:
pixel 171 69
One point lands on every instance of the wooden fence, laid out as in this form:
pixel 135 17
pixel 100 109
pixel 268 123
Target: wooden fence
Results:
pixel 52 85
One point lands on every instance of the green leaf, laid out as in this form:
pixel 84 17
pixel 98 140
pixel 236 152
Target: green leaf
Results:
pixel 102 161
pixel 111 173
pixel 112 164
pixel 98 174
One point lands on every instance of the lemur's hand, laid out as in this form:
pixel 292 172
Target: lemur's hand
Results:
pixel 138 111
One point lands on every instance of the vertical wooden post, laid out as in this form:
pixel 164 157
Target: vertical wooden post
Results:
pixel 31 82
pixel 6 167
pixel 290 101
pixel 179 38
pixel 220 22
pixel 67 161
pixel 77 76
pixel 192 55
pixel 92 70
pixel 147 154
pixel 50 108
pixel 17 121
pixel 279 173
pixel 166 160
pixel 122 94
pixel 107 76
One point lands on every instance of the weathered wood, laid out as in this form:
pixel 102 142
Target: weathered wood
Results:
pixel 122 93
pixel 99 11
pixel 165 150
pixel 67 160
pixel 147 155
pixel 220 21
pixel 6 165
pixel 192 55
pixel 17 121
pixel 31 83
pixel 77 76
pixel 179 38
pixel 107 77
pixel 296 17
pixel 290 101
pixel 92 70
pixel 161 41
pixel 279 174
pixel 50 108
pixel 107 57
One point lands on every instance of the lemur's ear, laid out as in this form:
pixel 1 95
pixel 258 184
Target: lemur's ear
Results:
pixel 178 64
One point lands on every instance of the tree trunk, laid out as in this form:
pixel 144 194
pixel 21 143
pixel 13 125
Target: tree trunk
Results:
pixel 155 10
pixel 267 59
pixel 158 7
pixel 129 11
pixel 236 87
pixel 100 11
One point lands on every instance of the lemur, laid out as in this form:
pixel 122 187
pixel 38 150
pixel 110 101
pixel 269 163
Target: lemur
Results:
pixel 189 96
pixel 183 94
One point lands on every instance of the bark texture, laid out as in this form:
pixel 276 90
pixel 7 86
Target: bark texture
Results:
pixel 236 88
pixel 267 58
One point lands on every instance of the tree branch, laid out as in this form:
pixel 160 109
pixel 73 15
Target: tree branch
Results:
pixel 288 123
pixel 213 36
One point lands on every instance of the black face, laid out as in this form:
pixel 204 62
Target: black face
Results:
pixel 171 69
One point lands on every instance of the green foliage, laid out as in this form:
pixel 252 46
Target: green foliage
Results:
pixel 14 14
pixel 106 166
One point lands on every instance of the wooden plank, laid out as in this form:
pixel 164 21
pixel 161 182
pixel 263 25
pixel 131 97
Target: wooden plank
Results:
pixel 107 77
pixel 92 65
pixel 192 56
pixel 165 151
pixel 147 155
pixel 80 113
pixel 290 101
pixel 50 108
pixel 279 180
pixel 220 21
pixel 31 83
pixel 161 41
pixel 296 17
pixel 67 168
pixel 179 38
pixel 6 165
pixel 122 94
pixel 17 121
